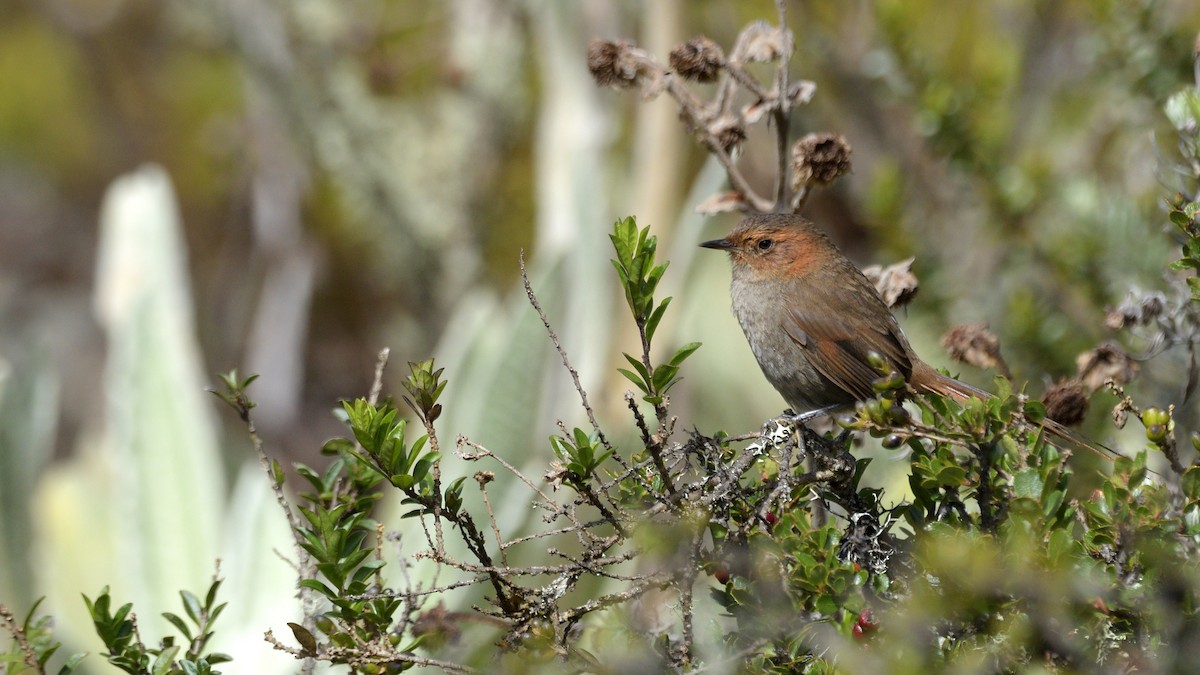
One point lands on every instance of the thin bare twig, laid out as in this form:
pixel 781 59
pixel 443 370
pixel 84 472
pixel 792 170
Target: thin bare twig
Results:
pixel 304 563
pixel 781 112
pixel 483 478
pixel 481 451
pixel 377 381
pixel 591 414
pixel 352 657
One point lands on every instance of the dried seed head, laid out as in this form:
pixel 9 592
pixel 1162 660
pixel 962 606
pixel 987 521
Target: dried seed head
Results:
pixel 729 133
pixel 974 344
pixel 1152 306
pixel 1120 412
pixel 819 159
pixel 1066 402
pixel 896 283
pixel 731 137
pixel 1118 317
pixel 1104 363
pixel 557 473
pixel 722 202
pixel 698 59
pixel 760 41
pixel 1136 309
pixel 612 63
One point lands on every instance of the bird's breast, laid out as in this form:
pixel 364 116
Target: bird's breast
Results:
pixel 760 308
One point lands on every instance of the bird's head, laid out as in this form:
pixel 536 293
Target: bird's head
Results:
pixel 770 245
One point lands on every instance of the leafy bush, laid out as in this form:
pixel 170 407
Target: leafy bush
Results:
pixel 765 551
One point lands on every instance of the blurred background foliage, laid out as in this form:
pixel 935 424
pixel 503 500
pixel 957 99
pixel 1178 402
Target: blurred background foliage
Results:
pixel 351 174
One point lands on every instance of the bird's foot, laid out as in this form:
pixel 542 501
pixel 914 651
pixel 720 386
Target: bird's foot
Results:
pixel 804 417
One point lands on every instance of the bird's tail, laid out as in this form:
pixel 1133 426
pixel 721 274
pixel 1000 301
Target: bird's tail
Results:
pixel 928 380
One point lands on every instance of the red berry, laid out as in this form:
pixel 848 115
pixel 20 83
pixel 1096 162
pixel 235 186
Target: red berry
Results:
pixel 771 518
pixel 721 573
pixel 864 625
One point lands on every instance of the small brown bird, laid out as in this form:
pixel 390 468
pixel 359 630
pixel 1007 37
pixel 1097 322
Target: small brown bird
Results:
pixel 812 319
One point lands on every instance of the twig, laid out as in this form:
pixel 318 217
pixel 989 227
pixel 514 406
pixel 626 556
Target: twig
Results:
pixel 783 478
pixel 589 525
pixel 388 593
pixel 483 478
pixel 481 451
pixel 781 111
pixel 532 570
pixel 653 446
pixel 304 563
pixel 1169 446
pixel 651 583
pixel 18 633
pixel 591 414
pixel 687 584
pixel 352 657
pixel 377 382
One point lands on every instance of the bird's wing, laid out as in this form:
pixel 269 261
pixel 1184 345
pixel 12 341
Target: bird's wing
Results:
pixel 837 349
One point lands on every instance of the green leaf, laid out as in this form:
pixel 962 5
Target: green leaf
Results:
pixel 72 663
pixel 951 476
pixel 638 366
pixel 663 376
pixel 632 377
pixel 337 446
pixel 162 664
pixel 1051 503
pixel 1138 474
pixel 191 604
pixel 422 468
pixel 582 439
pixel 826 604
pixel 211 596
pixel 655 317
pixel 655 276
pixel 215 612
pixel 319 587
pixel 1190 482
pixel 179 624
pixel 683 352
pixel 1191 518
pixel 1028 483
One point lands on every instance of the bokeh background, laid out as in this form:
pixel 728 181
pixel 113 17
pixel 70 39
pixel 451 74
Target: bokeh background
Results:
pixel 287 186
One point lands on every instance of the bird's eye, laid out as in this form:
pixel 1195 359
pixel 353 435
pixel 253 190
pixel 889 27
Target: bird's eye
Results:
pixel 765 244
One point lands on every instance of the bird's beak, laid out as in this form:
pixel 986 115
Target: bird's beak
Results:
pixel 719 244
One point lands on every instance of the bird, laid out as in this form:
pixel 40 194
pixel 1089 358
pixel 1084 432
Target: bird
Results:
pixel 815 323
